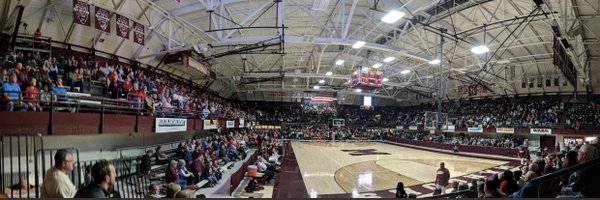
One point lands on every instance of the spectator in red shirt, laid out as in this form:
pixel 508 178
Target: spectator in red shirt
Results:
pixel 442 177
pixel 32 96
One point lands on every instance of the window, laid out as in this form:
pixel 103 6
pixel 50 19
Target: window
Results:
pixel 549 82
pixel 539 82
pixel 524 84
pixel 556 82
pixel 531 81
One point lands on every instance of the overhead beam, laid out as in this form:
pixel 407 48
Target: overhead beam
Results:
pixel 307 40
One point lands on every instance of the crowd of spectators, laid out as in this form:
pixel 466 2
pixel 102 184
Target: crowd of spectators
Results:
pixel 486 113
pixel 331 133
pixel 158 94
pixel 505 141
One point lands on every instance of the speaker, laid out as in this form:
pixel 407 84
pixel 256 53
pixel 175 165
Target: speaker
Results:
pixel 538 2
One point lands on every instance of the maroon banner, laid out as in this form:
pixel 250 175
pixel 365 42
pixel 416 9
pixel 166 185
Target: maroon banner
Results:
pixel 123 26
pixel 102 19
pixel 81 13
pixel 138 33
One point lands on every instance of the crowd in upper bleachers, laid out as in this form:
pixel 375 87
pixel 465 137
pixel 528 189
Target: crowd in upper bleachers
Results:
pixel 486 113
pixel 153 92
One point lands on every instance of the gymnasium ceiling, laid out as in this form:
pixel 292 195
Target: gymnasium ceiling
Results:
pixel 317 33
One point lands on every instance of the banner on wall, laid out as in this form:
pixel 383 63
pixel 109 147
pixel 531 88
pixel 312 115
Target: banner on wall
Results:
pixel 81 13
pixel 138 33
pixel 412 128
pixel 242 123
pixel 399 127
pixel 210 124
pixel 230 124
pixel 123 26
pixel 540 131
pixel 102 19
pixel 505 130
pixel 165 125
pixel 475 129
pixel 451 129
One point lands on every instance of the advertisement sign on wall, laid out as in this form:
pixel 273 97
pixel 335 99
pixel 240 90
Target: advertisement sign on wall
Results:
pixel 210 124
pixel 505 130
pixel 475 130
pixel 540 131
pixel 242 123
pixel 451 128
pixel 412 128
pixel 165 125
pixel 230 124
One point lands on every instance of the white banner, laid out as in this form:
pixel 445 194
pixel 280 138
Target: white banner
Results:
pixel 242 123
pixel 505 130
pixel 399 127
pixel 412 128
pixel 451 128
pixel 475 130
pixel 208 125
pixel 540 131
pixel 165 125
pixel 230 124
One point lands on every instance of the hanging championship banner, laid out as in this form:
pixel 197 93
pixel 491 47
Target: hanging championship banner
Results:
pixel 122 26
pixel 138 33
pixel 102 19
pixel 81 13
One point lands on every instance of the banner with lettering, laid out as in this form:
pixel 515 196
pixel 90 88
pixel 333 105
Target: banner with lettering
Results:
pixel 475 130
pixel 540 131
pixel 138 33
pixel 230 124
pixel 81 13
pixel 102 19
pixel 505 130
pixel 123 26
pixel 210 124
pixel 165 125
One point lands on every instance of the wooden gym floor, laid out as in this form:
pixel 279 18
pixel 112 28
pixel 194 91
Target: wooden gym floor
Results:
pixel 372 169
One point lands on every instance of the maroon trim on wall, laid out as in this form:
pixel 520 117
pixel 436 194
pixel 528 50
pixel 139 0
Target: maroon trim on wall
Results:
pixel 21 122
pixel 65 123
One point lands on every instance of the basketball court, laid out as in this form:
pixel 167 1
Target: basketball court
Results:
pixel 363 169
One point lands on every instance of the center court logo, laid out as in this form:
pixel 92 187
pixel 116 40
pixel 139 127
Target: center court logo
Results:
pixel 364 152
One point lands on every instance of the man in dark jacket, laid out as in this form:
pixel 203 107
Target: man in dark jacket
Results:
pixel 441 178
pixel 146 163
pixel 104 175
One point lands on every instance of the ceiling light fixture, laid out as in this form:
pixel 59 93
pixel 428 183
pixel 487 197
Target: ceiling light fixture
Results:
pixel 328 73
pixel 321 81
pixel 377 65
pixel 406 71
pixel 392 16
pixel 339 62
pixel 480 49
pixel 316 87
pixel 358 44
pixel 388 59
pixel 434 62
